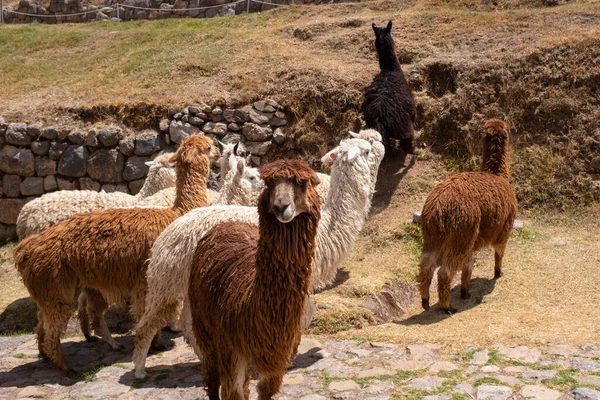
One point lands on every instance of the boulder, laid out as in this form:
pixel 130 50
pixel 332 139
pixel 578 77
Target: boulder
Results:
pixel 86 183
pixel 127 146
pixel 135 168
pixel 147 143
pixel 180 131
pixel 238 116
pixel 73 163
pixel 110 135
pixel 259 117
pixel 40 148
pixel 66 183
pixel 57 149
pixel 11 185
pixel 32 186
pixel 34 131
pixel 106 166
pixel 256 133
pixel 212 128
pixel 256 148
pixel 9 210
pixel 49 133
pixel 17 161
pixel 50 183
pixel 279 136
pixel 44 166
pixel 17 134
pixel 196 121
pixel 76 137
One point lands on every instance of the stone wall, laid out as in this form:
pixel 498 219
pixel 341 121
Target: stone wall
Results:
pixel 35 160
pixel 139 9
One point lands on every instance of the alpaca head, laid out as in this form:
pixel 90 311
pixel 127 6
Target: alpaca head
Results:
pixel 290 189
pixel 383 38
pixel 247 176
pixel 496 128
pixel 161 175
pixel 192 149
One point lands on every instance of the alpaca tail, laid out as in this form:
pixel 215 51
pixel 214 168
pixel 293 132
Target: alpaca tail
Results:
pixel 495 148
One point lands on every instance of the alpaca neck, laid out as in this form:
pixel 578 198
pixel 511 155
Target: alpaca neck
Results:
pixel 283 265
pixel 495 157
pixel 151 186
pixel 343 216
pixel 191 188
pixel 388 61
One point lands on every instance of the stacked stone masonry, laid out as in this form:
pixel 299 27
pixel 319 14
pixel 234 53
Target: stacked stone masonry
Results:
pixel 60 11
pixel 35 160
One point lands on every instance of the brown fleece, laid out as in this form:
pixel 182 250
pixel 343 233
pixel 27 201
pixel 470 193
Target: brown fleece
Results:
pixel 465 213
pixel 248 287
pixel 104 254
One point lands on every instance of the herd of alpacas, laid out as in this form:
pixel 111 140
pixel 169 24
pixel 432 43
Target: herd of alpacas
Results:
pixel 234 269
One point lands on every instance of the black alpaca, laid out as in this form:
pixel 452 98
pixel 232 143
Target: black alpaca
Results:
pixel 389 106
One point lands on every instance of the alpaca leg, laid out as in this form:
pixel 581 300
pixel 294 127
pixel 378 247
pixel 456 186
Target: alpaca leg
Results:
pixel 445 275
pixel 41 333
pixel 84 318
pixel 234 377
pixel 498 255
pixel 145 331
pixel 55 320
pixel 269 386
pixel 96 308
pixel 212 379
pixel 466 277
pixel 426 269
pixel 406 145
pixel 185 322
pixel 138 301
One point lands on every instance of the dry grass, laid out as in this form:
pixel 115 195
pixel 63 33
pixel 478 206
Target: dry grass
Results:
pixel 548 293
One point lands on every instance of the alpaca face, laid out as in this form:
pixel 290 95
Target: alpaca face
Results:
pixel 289 199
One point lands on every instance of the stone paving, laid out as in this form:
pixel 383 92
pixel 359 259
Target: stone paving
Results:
pixel 324 369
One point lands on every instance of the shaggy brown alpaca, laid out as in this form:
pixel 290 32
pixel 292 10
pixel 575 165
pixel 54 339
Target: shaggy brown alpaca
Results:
pixel 104 254
pixel 248 285
pixel 465 213
pixel 389 106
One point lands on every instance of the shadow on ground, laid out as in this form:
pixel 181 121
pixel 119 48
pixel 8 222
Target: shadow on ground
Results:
pixel 391 172
pixel 479 288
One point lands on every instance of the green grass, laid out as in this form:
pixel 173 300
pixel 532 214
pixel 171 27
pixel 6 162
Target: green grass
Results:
pixel 488 381
pixel 495 357
pixel 24 356
pixel 563 380
pixel 16 334
pixel 89 375
pixel 122 366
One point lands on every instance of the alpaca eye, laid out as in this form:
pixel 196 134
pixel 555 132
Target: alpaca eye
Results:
pixel 303 184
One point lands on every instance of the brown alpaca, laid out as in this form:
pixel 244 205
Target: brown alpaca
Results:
pixel 248 285
pixel 104 254
pixel 465 213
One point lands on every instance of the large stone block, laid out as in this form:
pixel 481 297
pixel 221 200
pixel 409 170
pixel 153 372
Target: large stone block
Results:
pixel 9 210
pixel 32 186
pixel 110 135
pixel 236 116
pixel 17 134
pixel 73 163
pixel 106 166
pixel 180 131
pixel 147 143
pixel 17 161
pixel 56 150
pixel 135 168
pixel 50 183
pixel 40 148
pixel 11 185
pixel 256 133
pixel 44 166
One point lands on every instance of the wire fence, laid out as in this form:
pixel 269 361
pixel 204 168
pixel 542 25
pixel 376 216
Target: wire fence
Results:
pixel 116 7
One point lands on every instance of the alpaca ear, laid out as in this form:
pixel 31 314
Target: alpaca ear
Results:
pixel 328 158
pixel 314 180
pixel 235 148
pixel 221 144
pixel 374 27
pixel 389 27
pixel 353 153
pixel 232 161
pixel 354 134
pixel 149 163
pixel 241 164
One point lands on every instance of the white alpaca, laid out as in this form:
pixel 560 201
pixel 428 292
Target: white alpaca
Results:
pixel 52 208
pixel 355 165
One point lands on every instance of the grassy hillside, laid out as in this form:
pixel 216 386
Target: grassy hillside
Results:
pixel 467 61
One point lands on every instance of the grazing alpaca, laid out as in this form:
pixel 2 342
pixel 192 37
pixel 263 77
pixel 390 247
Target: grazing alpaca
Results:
pixel 465 213
pixel 389 106
pixel 49 209
pixel 342 219
pixel 248 285
pixel 104 254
